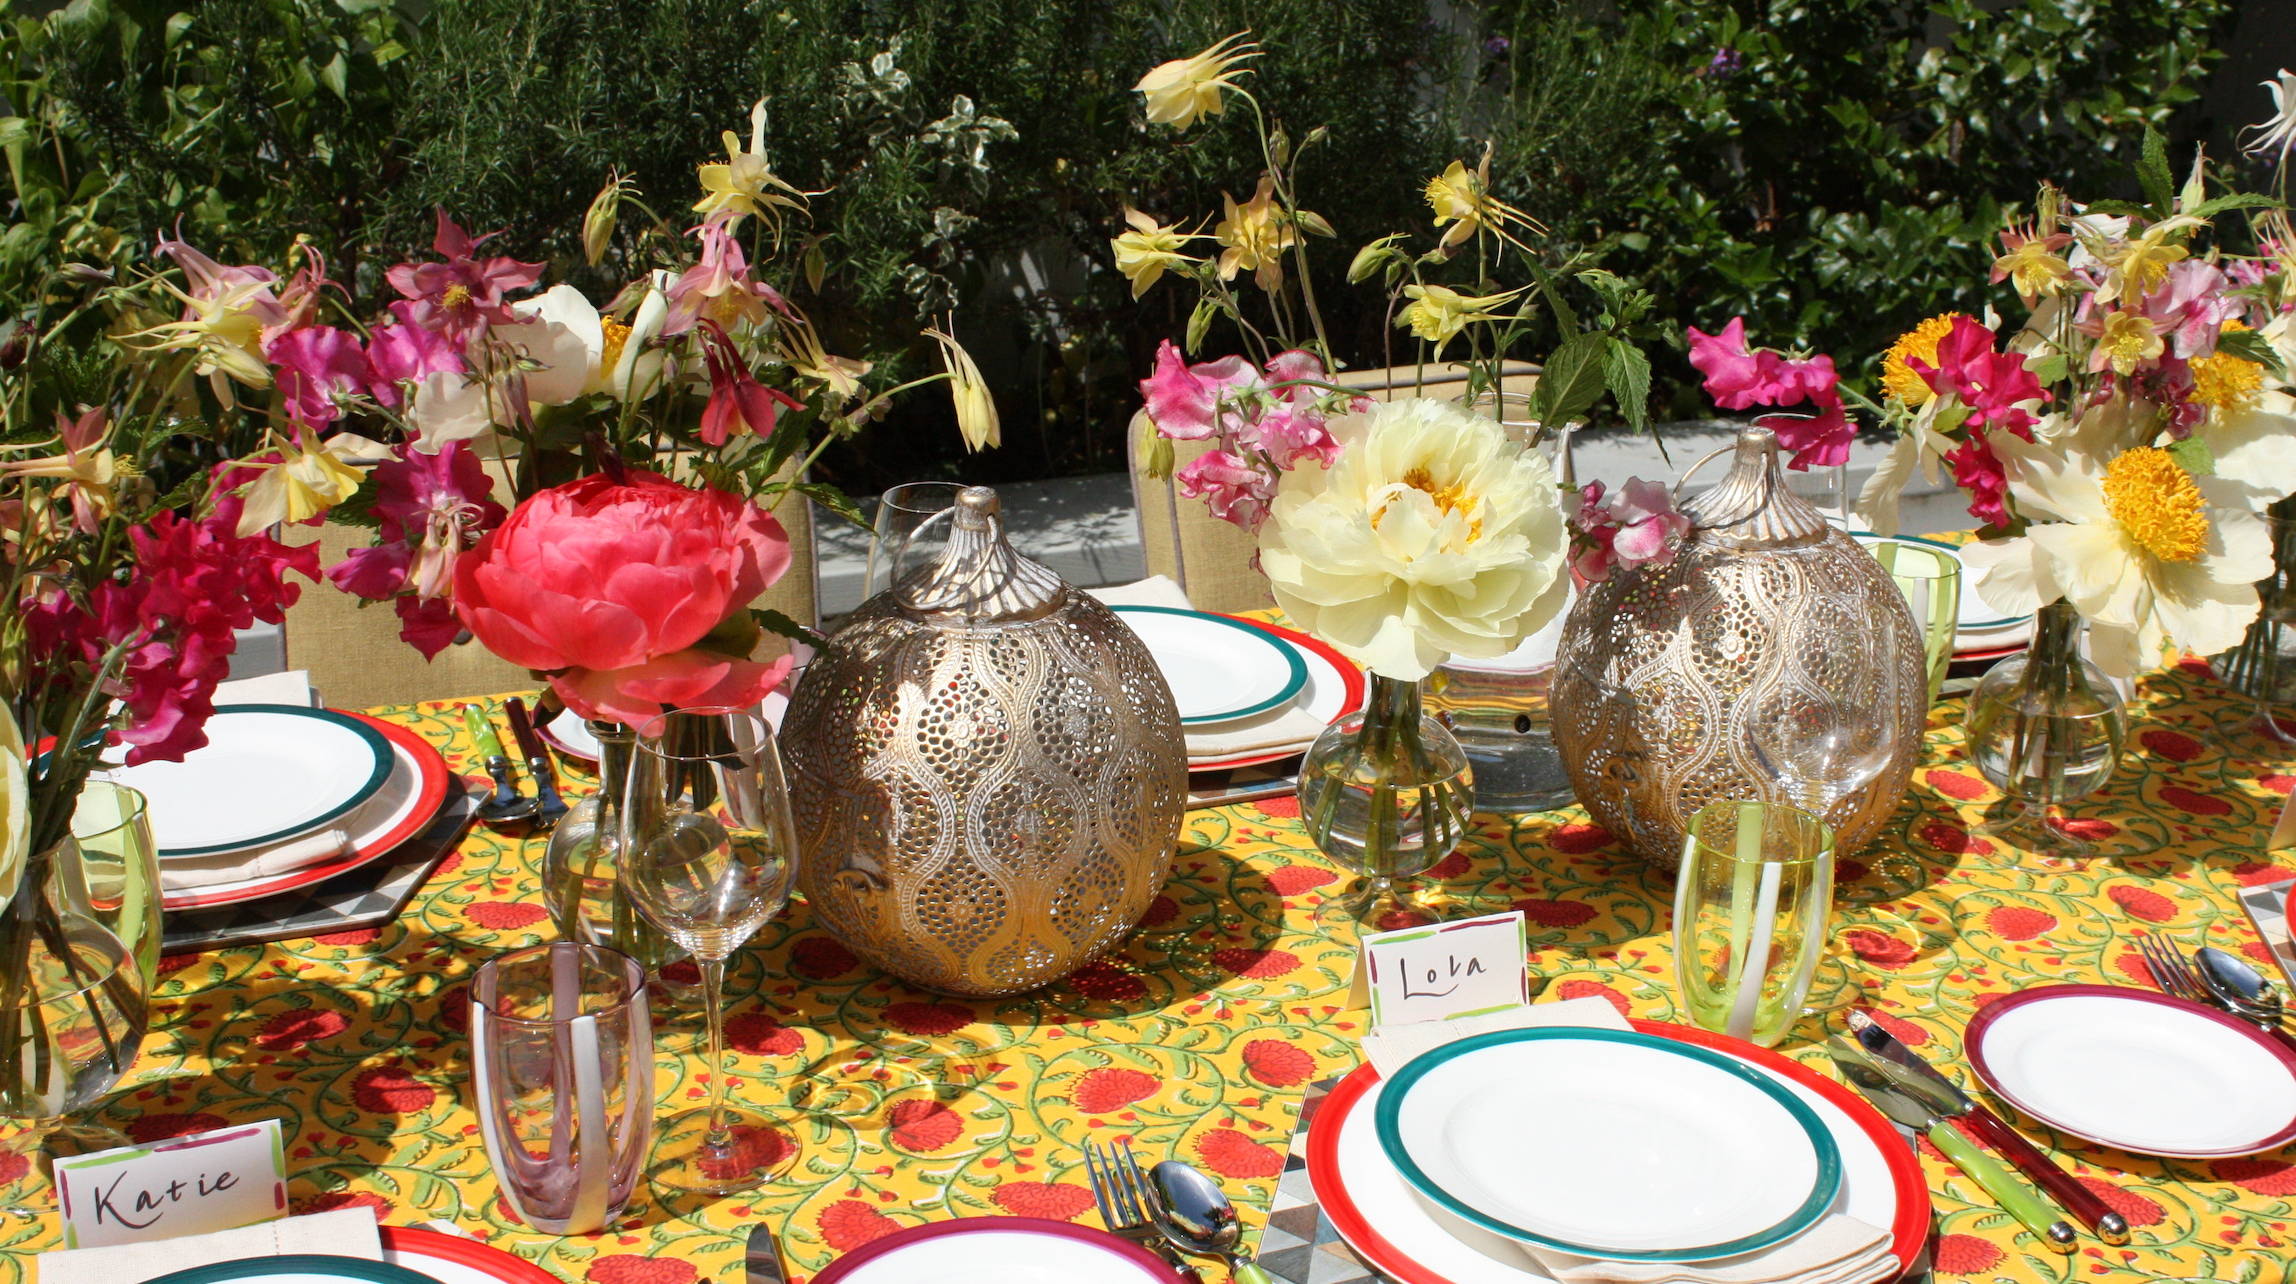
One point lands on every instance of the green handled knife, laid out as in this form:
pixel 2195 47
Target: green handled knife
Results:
pixel 2012 1192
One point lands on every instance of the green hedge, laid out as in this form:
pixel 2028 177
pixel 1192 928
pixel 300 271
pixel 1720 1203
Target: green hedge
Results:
pixel 1830 168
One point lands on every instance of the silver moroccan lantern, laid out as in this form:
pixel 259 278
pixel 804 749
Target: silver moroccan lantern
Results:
pixel 987 771
pixel 1773 660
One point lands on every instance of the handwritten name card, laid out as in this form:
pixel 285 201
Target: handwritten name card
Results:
pixel 189 1185
pixel 1463 968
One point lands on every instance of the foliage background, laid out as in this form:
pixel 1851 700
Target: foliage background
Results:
pixel 1832 169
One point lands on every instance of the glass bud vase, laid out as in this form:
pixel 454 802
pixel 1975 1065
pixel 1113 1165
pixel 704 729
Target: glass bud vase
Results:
pixel 2045 728
pixel 1386 793
pixel 580 881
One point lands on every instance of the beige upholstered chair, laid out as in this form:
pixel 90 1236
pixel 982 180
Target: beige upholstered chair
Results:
pixel 1211 559
pixel 356 659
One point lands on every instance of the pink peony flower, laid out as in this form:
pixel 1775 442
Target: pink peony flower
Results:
pixel 1235 489
pixel 401 352
pixel 314 363
pixel 462 296
pixel 613 586
pixel 1184 400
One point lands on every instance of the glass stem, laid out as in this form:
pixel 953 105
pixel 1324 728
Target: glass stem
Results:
pixel 2051 668
pixel 713 1003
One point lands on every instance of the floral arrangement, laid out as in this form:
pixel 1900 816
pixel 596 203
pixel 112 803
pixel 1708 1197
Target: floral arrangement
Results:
pixel 1479 566
pixel 2119 442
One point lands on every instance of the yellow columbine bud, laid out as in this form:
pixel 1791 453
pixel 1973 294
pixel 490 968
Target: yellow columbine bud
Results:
pixel 1183 89
pixel 1899 381
pixel 968 391
pixel 2157 504
pixel 598 221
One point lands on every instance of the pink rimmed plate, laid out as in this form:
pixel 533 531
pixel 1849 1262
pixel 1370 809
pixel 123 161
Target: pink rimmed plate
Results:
pixel 999 1250
pixel 2138 1071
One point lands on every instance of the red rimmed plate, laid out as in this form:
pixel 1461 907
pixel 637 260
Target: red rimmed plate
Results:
pixel 2136 1070
pixel 999 1250
pixel 1389 1227
pixel 1324 665
pixel 454 1259
pixel 410 797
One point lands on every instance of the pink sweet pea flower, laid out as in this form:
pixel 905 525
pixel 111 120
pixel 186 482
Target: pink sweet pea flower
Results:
pixel 1184 400
pixel 314 363
pixel 1237 490
pixel 1299 370
pixel 718 287
pixel 1288 434
pixel 1977 471
pixel 462 296
pixel 1989 383
pixel 1638 526
pixel 1735 377
pixel 1822 439
pixel 401 352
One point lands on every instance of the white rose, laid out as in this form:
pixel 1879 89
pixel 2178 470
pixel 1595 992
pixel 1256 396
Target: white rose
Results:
pixel 1432 536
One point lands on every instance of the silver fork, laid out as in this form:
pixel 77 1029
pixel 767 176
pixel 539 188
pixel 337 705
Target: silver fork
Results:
pixel 2171 972
pixel 1122 1196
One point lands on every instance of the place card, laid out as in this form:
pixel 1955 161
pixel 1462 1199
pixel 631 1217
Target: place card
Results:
pixel 1445 970
pixel 189 1185
pixel 2283 829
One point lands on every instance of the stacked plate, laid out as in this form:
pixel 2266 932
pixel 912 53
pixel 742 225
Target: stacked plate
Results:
pixel 1663 1144
pixel 1247 692
pixel 282 797
pixel 1985 632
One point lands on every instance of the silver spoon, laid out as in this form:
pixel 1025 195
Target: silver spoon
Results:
pixel 2240 988
pixel 1196 1215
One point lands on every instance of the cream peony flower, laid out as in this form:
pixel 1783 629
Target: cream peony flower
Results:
pixel 1433 536
pixel 2146 552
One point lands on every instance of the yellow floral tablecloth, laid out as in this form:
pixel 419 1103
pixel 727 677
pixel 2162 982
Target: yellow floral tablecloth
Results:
pixel 1197 1037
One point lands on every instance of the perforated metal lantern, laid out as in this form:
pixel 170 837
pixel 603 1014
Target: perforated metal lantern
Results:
pixel 1772 660
pixel 987 772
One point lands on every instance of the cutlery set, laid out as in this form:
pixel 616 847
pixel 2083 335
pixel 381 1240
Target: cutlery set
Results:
pixel 509 804
pixel 1176 1211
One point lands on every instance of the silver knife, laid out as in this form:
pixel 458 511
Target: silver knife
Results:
pixel 1916 1076
pixel 762 1259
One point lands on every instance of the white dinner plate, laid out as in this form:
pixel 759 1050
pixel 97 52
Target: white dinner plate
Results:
pixel 1219 669
pixel 1458 1251
pixel 268 773
pixel 1981 625
pixel 998 1250
pixel 1327 694
pixel 569 735
pixel 1534 1133
pixel 2137 1070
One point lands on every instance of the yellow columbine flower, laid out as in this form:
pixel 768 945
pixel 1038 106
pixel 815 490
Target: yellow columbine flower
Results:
pixel 742 184
pixel 2135 267
pixel 801 347
pixel 1438 313
pixel 1899 381
pixel 976 410
pixel 2223 380
pixel 1181 90
pixel 222 328
pixel 309 478
pixel 1462 199
pixel 1150 249
pixel 1256 234
pixel 2128 341
pixel 2157 504
pixel 2030 261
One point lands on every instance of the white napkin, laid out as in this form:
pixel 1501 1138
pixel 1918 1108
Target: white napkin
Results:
pixel 291 687
pixel 1288 727
pixel 1839 1249
pixel 177 874
pixel 345 1232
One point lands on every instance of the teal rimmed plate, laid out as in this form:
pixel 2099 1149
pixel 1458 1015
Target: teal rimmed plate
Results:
pixel 268 773
pixel 1219 669
pixel 296 1268
pixel 1608 1143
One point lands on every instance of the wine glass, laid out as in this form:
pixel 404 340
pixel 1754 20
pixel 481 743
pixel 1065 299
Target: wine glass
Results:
pixel 72 1017
pixel 713 861
pixel 900 511
pixel 2263 666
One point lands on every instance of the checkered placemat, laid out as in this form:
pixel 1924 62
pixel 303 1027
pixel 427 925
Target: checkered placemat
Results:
pixel 2267 906
pixel 363 897
pixel 1300 1245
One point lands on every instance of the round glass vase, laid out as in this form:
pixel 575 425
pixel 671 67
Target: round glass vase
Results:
pixel 1386 793
pixel 2263 667
pixel 2045 728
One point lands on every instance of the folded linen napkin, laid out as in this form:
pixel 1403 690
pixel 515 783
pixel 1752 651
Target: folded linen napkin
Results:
pixel 290 687
pixel 186 875
pixel 344 1232
pixel 1839 1249
pixel 1290 727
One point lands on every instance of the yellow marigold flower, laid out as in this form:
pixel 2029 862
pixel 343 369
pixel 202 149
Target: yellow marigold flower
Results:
pixel 2223 380
pixel 1438 313
pixel 2129 340
pixel 1899 381
pixel 742 184
pixel 1256 234
pixel 2157 504
pixel 1150 249
pixel 1181 90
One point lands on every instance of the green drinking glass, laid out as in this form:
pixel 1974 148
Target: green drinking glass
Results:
pixel 1750 909
pixel 1930 578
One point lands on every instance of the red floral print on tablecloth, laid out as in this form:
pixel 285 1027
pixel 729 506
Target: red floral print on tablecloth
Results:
pixel 1096 1092
pixel 1055 1201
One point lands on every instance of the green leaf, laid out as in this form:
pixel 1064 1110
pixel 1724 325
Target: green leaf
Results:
pixel 2051 369
pixel 2250 345
pixel 1566 319
pixel 775 622
pixel 2152 172
pixel 1573 380
pixel 2193 455
pixel 835 500
pixel 1199 322
pixel 2120 208
pixel 2232 201
pixel 1626 372
pixel 336 75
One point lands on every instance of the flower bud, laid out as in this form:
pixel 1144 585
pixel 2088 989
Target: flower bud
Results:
pixel 598 221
